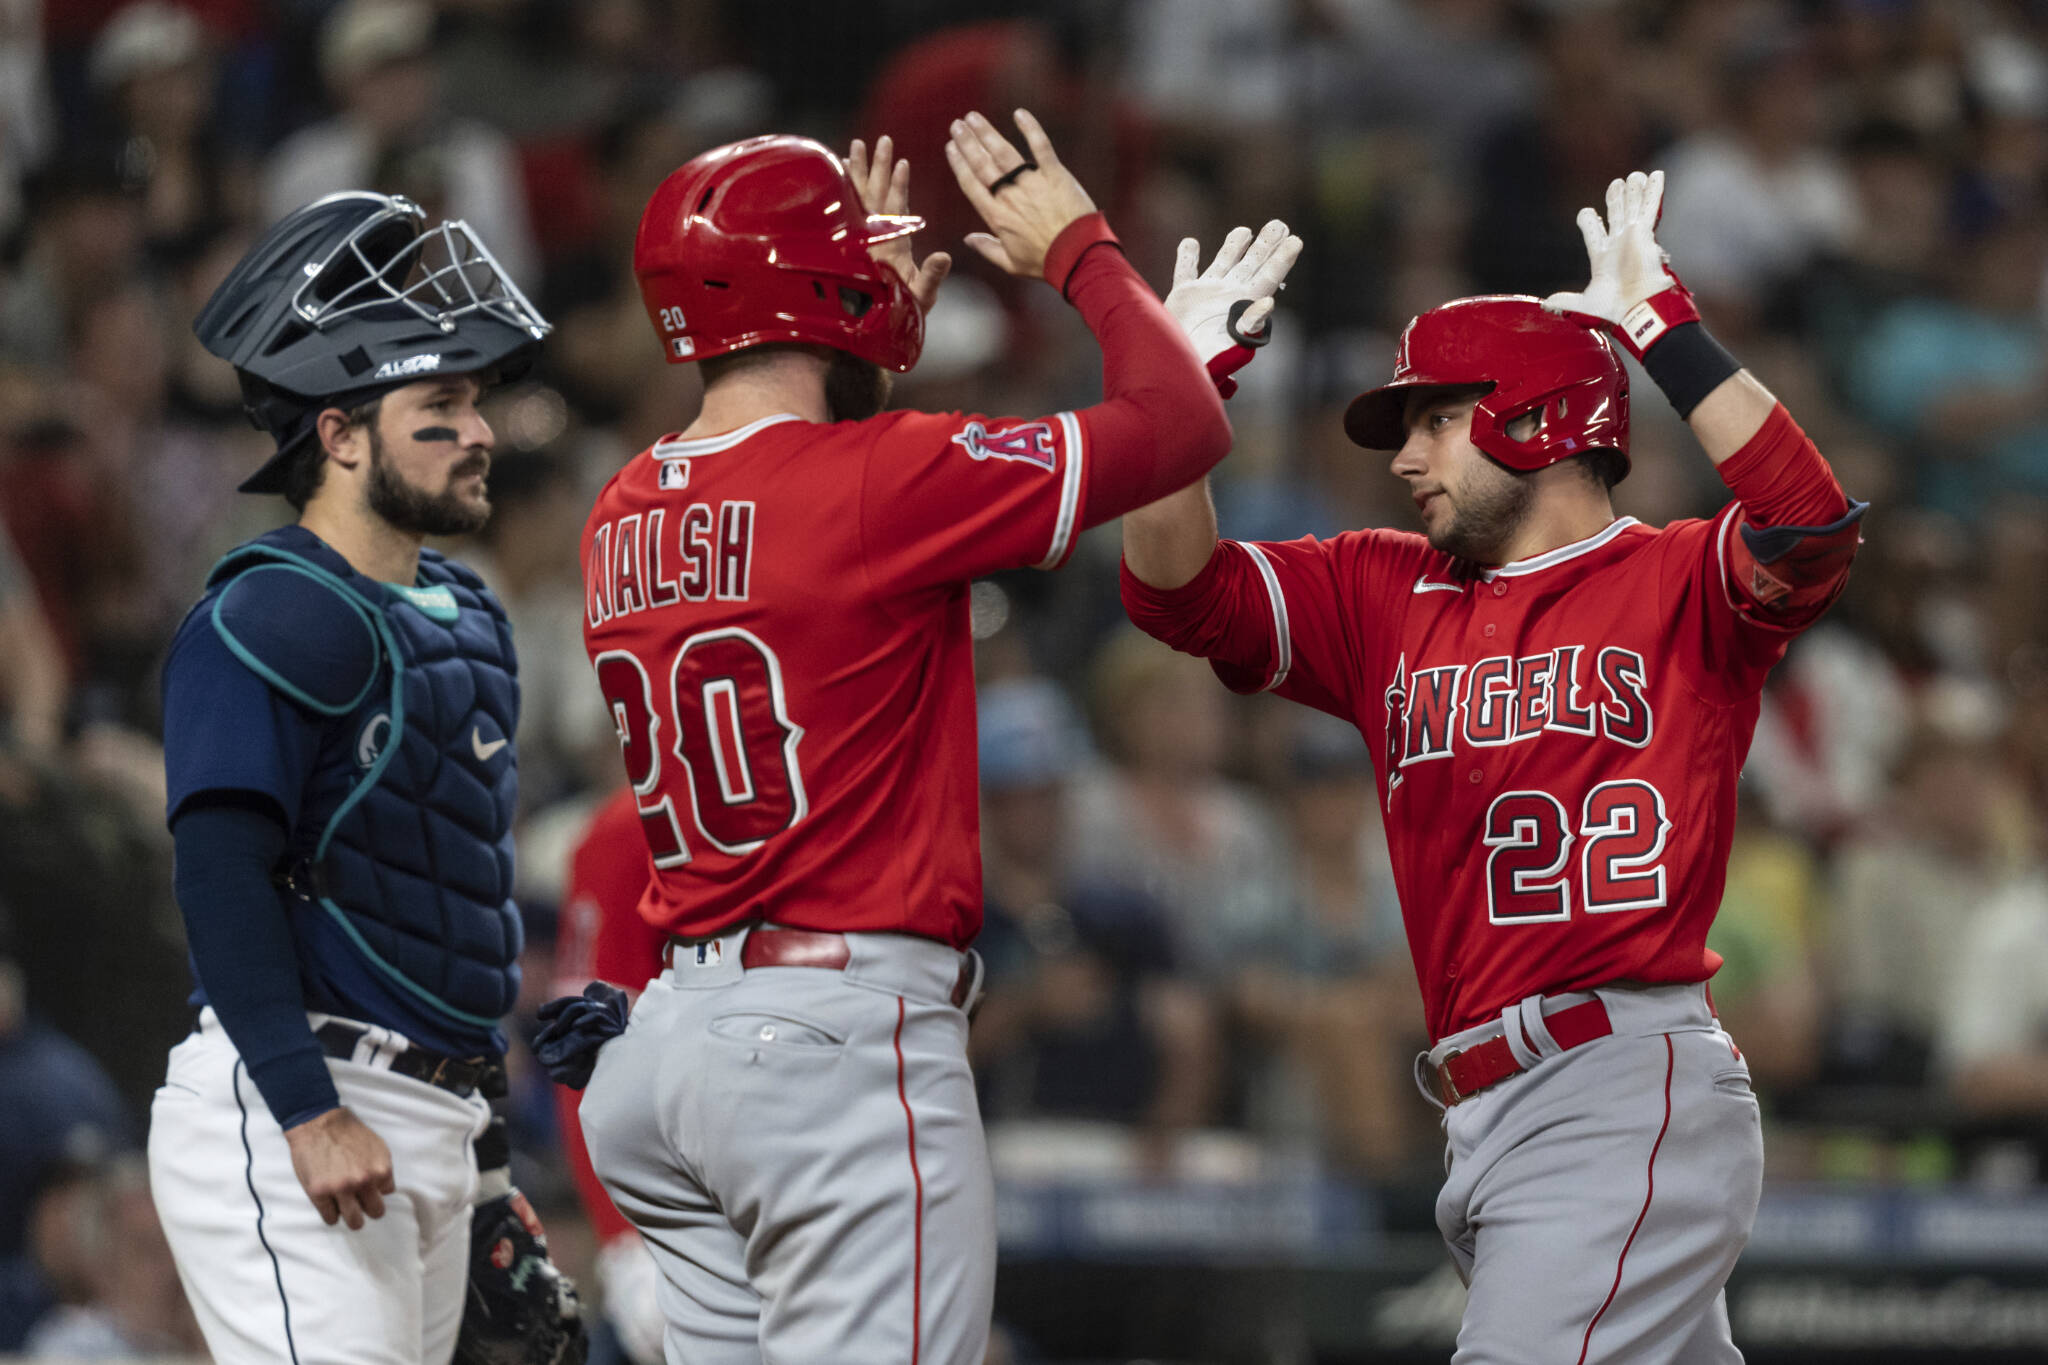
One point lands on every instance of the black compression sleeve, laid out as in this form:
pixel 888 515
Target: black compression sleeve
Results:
pixel 242 947
pixel 1688 364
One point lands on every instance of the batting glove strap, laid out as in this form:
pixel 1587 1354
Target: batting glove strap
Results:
pixel 1650 321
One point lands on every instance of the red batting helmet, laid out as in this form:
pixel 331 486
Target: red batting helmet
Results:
pixel 1534 360
pixel 765 240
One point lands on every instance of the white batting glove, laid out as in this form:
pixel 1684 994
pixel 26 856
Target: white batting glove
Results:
pixel 1224 309
pixel 1633 296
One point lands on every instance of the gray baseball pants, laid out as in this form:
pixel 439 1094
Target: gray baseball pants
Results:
pixel 802 1151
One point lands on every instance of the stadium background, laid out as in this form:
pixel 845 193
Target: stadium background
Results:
pixel 1195 1050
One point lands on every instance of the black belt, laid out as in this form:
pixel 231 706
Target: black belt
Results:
pixel 457 1075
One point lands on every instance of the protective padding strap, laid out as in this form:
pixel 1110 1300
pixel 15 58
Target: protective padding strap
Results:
pixel 251 654
pixel 1789 568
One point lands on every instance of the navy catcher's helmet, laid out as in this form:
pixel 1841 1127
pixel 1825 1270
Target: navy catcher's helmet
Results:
pixel 353 296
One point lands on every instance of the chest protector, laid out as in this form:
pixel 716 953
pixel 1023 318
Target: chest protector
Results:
pixel 404 836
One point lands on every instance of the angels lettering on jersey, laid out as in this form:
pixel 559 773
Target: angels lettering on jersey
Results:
pixel 1599 694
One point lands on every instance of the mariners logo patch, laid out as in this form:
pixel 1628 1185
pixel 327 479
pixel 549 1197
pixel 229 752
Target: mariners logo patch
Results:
pixel 370 740
pixel 1031 443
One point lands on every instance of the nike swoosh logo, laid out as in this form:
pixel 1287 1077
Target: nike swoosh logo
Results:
pixel 482 750
pixel 1423 584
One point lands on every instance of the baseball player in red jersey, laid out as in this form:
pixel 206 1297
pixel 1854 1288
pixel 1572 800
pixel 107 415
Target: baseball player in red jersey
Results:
pixel 603 938
pixel 1559 702
pixel 777 613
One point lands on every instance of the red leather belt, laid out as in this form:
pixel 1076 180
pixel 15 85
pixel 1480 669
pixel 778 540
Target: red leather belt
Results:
pixel 1463 1074
pixel 808 948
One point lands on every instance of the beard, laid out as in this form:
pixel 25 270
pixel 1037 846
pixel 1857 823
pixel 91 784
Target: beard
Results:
pixel 855 389
pixel 1487 513
pixel 409 508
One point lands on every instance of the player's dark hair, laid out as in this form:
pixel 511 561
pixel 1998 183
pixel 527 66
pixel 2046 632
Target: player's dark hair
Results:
pixel 1609 467
pixel 307 466
pixel 855 389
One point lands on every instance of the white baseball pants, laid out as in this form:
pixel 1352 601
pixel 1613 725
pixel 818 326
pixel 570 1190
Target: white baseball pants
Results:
pixel 267 1279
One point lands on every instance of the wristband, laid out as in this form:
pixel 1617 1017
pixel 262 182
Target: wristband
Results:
pixel 1688 364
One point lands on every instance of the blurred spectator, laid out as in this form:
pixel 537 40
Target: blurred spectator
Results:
pixel 1767 992
pixel 85 228
pixel 1161 818
pixel 1992 1034
pixel 25 117
pixel 1323 989
pixel 1960 378
pixel 151 68
pixel 64 1118
pixel 566 741
pixel 1907 888
pixel 123 1297
pixel 32 677
pixel 1534 172
pixel 376 56
pixel 1750 200
pixel 1087 1015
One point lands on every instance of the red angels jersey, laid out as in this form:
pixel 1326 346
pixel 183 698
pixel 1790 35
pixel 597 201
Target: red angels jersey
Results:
pixel 603 938
pixel 778 618
pixel 1556 742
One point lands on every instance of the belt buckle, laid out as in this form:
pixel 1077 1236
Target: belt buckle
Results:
pixel 1447 1088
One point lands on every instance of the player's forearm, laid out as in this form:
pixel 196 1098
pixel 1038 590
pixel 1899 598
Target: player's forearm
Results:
pixel 1161 424
pixel 1167 542
pixel 1731 415
pixel 242 949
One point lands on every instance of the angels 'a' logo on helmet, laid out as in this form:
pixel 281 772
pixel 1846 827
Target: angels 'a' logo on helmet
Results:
pixel 1031 443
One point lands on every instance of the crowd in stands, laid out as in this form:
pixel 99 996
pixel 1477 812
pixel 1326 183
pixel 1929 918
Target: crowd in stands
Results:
pixel 1191 929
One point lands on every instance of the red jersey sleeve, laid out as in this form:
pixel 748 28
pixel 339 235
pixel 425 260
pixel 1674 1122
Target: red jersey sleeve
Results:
pixel 603 938
pixel 946 497
pixel 1767 567
pixel 1289 617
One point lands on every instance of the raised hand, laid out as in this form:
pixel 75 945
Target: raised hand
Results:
pixel 1223 309
pixel 1025 200
pixel 1633 294
pixel 884 185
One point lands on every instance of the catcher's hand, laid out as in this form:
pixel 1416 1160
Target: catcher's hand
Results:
pixel 1633 295
pixel 520 1309
pixel 1223 310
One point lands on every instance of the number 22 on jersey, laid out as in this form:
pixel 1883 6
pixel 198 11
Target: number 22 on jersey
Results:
pixel 729 732
pixel 1620 844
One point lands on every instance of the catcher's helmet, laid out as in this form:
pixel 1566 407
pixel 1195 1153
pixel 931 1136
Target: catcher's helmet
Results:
pixel 352 296
pixel 766 240
pixel 1534 360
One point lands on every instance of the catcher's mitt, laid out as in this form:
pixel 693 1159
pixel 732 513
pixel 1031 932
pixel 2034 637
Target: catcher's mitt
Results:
pixel 520 1309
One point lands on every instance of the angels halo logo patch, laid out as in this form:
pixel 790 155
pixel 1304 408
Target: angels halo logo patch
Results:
pixel 1029 442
